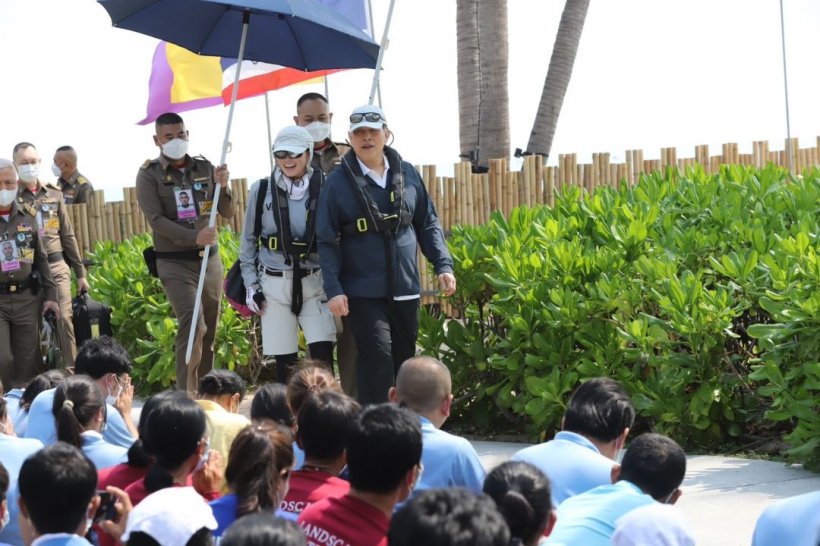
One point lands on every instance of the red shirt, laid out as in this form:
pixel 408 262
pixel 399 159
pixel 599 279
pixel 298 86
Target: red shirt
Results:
pixel 344 521
pixel 120 476
pixel 137 491
pixel 307 486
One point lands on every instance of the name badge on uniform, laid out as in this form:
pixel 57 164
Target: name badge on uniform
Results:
pixel 10 257
pixel 186 208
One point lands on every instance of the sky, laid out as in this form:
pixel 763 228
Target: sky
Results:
pixel 649 74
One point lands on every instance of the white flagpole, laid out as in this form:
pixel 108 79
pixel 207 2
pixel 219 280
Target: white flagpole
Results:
pixel 786 90
pixel 217 189
pixel 382 48
pixel 372 32
pixel 270 142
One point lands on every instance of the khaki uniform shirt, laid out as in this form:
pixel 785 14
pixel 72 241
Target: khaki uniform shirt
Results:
pixel 329 157
pixel 21 227
pixel 76 189
pixel 157 185
pixel 53 224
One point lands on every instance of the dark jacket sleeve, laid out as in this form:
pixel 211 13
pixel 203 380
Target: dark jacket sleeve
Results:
pixel 41 263
pixel 327 228
pixel 68 241
pixel 427 226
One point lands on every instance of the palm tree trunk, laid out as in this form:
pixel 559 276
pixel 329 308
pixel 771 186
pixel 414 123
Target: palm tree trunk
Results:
pixel 558 76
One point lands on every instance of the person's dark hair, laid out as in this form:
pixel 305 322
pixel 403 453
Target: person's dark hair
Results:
pixel 599 409
pixel 65 148
pixel 43 382
pixel 251 472
pixel 3 408
pixel 77 402
pixel 282 439
pixel 324 424
pixel 655 463
pixel 168 118
pixel 448 517
pixel 56 484
pixel 138 456
pixel 22 146
pixel 171 435
pixel 383 446
pixel 522 494
pixel 221 382
pixel 263 529
pixel 311 96
pixel 271 402
pixel 202 537
pixel 307 381
pixel 102 355
pixel 4 483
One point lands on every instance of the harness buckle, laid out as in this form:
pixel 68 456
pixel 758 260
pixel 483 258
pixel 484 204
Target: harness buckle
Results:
pixel 361 225
pixel 12 288
pixel 273 243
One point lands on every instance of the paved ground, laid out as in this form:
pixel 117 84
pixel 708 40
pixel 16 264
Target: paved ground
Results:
pixel 722 496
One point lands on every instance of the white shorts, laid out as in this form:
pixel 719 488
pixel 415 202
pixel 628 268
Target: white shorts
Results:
pixel 280 327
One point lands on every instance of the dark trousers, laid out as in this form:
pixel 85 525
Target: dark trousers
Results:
pixel 385 333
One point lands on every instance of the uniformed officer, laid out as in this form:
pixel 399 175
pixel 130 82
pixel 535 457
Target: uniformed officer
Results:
pixel 313 113
pixel 58 238
pixel 75 187
pixel 180 236
pixel 20 304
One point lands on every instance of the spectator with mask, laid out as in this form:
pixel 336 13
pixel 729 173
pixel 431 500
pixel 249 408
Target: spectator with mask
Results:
pixel 220 393
pixel 448 517
pixel 384 460
pixel 58 496
pixel 522 494
pixel 652 470
pixel 424 385
pixel 13 452
pixel 594 429
pixel 79 411
pixel 106 362
pixel 324 427
pixel 43 382
pixel 263 529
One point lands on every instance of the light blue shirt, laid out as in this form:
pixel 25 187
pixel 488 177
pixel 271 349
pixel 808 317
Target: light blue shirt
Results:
pixel 13 404
pixel 13 452
pixel 101 453
pixel 42 427
pixel 571 462
pixel 298 457
pixel 60 539
pixel 794 521
pixel 589 518
pixel 449 461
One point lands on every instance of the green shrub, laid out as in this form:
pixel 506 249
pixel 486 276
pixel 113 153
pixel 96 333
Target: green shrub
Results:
pixel 658 286
pixel 142 317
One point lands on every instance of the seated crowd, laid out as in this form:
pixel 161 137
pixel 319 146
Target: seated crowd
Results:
pixel 313 467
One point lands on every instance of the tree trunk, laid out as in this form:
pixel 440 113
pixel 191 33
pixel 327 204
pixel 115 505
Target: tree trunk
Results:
pixel 558 76
pixel 483 97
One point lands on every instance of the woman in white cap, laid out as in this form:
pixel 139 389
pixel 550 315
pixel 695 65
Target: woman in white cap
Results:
pixel 278 257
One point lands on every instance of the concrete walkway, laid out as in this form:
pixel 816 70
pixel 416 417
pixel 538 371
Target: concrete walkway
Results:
pixel 722 496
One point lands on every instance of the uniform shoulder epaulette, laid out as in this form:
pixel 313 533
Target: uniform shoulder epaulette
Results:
pixel 29 209
pixel 52 187
pixel 148 163
pixel 201 158
pixel 82 180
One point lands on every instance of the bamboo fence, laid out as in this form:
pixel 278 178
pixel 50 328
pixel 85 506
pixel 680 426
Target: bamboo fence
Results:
pixel 467 198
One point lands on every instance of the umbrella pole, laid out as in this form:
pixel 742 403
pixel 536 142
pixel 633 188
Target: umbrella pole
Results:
pixel 382 48
pixel 217 190
pixel 270 142
pixel 372 27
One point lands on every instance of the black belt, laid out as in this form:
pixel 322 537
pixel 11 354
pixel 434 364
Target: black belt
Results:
pixel 281 273
pixel 192 255
pixel 55 257
pixel 13 287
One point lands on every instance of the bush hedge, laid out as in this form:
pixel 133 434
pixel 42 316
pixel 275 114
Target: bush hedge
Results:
pixel 699 292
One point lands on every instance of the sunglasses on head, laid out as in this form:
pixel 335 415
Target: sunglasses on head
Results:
pixel 367 116
pixel 282 154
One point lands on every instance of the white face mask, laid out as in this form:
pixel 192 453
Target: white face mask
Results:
pixel 56 170
pixel 7 197
pixel 110 399
pixel 29 173
pixel 175 149
pixel 319 130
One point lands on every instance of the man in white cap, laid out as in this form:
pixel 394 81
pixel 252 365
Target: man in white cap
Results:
pixel 374 213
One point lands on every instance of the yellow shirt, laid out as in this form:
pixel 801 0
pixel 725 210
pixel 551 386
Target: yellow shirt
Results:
pixel 223 426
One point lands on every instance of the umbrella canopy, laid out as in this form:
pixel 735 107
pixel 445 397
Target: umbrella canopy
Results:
pixel 302 34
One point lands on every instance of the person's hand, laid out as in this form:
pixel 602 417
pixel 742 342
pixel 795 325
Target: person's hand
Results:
pixel 83 286
pixel 206 236
pixel 447 282
pixel 338 305
pixel 208 479
pixel 221 175
pixel 116 528
pixel 52 306
pixel 255 301
pixel 125 400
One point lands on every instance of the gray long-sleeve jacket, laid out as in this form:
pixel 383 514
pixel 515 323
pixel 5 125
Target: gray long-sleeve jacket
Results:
pixel 249 254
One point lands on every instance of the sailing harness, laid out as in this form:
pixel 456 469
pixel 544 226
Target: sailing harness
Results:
pixel 373 220
pixel 295 250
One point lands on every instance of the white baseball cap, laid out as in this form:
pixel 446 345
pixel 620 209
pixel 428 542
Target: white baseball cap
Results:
pixel 359 117
pixel 293 139
pixel 170 516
